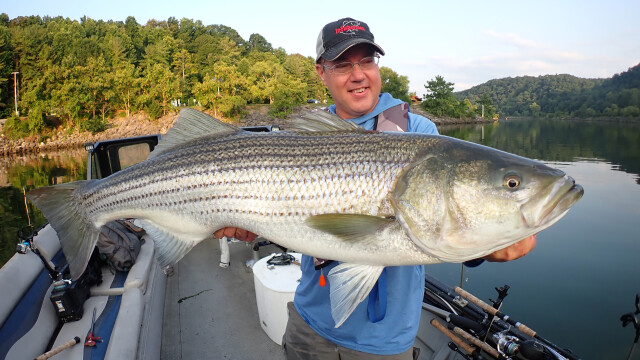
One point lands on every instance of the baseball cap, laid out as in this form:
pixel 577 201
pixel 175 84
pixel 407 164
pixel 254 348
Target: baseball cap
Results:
pixel 338 36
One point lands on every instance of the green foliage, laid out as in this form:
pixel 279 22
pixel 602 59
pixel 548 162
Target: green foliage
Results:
pixel 485 107
pixel 286 96
pixel 153 110
pixel 563 95
pixel 439 97
pixel 394 84
pixel 440 101
pixel 89 69
pixel 258 43
pixel 35 120
pixel 93 125
pixel 14 128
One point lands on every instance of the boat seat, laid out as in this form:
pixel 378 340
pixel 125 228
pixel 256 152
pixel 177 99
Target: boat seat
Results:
pixel 18 274
pixel 21 270
pixel 47 243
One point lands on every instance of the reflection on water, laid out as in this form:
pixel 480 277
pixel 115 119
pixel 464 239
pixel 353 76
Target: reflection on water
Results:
pixel 584 273
pixel 559 140
pixel 572 288
pixel 18 175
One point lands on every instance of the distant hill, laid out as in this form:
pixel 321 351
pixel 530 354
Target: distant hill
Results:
pixel 562 95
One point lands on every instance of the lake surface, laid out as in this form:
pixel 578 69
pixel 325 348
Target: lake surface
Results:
pixel 572 288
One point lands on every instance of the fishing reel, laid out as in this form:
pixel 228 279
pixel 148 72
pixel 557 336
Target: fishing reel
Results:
pixel 25 238
pixel 507 345
pixel 632 318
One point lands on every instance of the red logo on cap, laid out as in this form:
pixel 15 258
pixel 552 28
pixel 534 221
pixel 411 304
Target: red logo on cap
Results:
pixel 350 26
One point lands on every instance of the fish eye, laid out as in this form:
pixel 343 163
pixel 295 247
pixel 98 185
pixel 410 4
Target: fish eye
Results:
pixel 512 181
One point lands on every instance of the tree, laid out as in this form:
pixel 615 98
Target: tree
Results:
pixel 223 92
pixel 535 109
pixel 258 43
pixel 126 86
pixel 394 84
pixel 264 77
pixel 288 93
pixel 6 68
pixel 439 99
pixel 485 107
pixel 160 86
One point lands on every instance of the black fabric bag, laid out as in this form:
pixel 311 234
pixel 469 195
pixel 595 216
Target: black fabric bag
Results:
pixel 119 244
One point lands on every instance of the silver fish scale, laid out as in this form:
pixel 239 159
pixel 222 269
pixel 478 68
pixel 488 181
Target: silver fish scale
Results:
pixel 263 175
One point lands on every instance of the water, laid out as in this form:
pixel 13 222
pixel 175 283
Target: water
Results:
pixel 585 270
pixel 20 174
pixel 572 288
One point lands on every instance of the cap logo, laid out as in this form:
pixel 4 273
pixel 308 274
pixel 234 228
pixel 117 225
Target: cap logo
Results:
pixel 350 27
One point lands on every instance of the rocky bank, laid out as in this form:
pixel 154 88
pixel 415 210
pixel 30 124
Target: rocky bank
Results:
pixel 139 124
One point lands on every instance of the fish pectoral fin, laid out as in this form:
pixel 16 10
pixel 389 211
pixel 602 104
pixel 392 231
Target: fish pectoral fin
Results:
pixel 349 227
pixel 349 285
pixel 169 247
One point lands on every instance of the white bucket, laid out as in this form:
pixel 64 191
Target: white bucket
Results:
pixel 275 287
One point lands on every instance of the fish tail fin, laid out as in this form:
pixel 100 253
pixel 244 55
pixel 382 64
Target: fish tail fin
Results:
pixel 61 206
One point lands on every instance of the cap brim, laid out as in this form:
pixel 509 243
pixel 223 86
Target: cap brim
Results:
pixel 339 49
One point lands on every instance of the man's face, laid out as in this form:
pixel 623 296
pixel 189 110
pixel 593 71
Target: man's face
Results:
pixel 355 93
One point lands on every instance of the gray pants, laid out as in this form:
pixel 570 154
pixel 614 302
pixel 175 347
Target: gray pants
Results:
pixel 301 342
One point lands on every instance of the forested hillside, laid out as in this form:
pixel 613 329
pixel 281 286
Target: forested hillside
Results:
pixel 88 70
pixel 562 95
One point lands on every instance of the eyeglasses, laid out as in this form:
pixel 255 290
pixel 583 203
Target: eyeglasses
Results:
pixel 368 63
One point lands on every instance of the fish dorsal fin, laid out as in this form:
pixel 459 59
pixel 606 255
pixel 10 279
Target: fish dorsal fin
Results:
pixel 190 125
pixel 322 121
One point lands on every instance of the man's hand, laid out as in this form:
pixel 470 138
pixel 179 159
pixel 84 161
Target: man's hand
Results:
pixel 232 232
pixel 515 251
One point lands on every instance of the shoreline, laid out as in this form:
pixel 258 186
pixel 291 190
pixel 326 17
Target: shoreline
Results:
pixel 139 124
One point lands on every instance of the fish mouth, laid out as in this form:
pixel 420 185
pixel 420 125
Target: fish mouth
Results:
pixel 546 211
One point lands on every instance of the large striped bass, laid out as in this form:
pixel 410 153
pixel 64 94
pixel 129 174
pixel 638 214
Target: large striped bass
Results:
pixel 327 189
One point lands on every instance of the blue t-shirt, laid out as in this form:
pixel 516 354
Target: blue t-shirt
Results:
pixel 396 332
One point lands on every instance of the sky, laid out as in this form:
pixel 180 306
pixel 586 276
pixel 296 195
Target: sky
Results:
pixel 466 42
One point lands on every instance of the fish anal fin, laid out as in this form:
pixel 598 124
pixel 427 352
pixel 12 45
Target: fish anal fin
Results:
pixel 169 247
pixel 349 285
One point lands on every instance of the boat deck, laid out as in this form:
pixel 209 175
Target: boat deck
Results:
pixel 210 311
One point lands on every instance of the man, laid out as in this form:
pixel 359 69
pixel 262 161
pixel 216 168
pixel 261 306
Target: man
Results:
pixel 383 326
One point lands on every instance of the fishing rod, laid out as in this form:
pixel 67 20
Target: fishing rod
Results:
pixel 506 338
pixel 471 351
pixel 506 318
pixel 493 311
pixel 506 346
pixel 58 349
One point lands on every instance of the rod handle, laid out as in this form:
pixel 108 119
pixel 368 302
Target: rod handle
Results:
pixel 493 311
pixel 483 305
pixel 466 347
pixel 58 349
